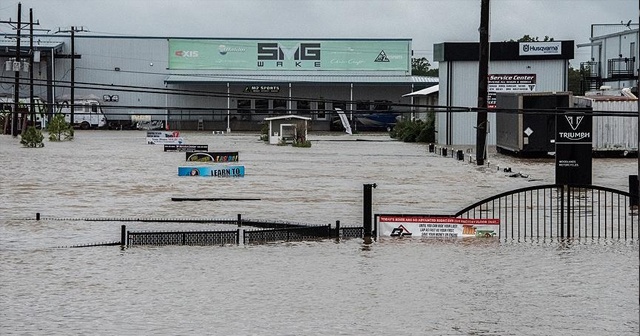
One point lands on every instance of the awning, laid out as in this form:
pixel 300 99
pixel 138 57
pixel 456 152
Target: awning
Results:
pixel 424 92
pixel 297 78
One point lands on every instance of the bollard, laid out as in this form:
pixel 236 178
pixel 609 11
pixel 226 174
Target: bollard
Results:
pixel 633 189
pixel 239 220
pixel 37 216
pixel 123 235
pixel 367 210
pixel 337 229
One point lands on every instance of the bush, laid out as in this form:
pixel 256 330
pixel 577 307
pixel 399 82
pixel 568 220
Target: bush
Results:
pixel 59 129
pixel 32 138
pixel 414 131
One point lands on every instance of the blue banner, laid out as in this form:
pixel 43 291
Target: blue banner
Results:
pixel 212 171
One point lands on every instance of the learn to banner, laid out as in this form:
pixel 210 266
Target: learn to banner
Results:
pixel 212 171
pixel 437 227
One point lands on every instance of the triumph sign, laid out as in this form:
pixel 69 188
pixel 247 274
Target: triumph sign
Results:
pixel 573 148
pixel 540 48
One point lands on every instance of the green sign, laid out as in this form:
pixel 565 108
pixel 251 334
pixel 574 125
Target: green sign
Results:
pixel 305 55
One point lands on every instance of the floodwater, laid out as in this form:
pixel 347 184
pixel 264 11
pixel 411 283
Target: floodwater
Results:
pixel 390 287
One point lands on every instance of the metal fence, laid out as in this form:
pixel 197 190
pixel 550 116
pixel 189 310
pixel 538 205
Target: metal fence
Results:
pixel 558 211
pixel 293 233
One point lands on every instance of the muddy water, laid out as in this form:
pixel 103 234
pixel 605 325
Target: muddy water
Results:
pixel 314 288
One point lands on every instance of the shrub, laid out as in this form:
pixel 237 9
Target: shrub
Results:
pixel 59 129
pixel 32 138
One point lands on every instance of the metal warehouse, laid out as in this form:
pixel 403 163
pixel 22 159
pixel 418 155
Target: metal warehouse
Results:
pixel 513 67
pixel 223 84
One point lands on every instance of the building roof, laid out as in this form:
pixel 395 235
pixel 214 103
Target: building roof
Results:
pixel 314 77
pixel 287 116
pixel 424 92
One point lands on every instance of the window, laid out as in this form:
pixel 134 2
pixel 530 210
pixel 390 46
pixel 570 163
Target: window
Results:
pixel 94 107
pixel 303 107
pixel 321 111
pixel 382 105
pixel 363 105
pixel 244 109
pixel 279 106
pixel 262 107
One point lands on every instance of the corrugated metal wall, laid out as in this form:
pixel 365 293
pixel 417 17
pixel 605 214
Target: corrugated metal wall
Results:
pixel 461 89
pixel 612 133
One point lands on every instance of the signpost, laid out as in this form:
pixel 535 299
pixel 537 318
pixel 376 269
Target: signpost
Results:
pixel 574 148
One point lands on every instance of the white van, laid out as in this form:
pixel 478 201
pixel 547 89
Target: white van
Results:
pixel 87 113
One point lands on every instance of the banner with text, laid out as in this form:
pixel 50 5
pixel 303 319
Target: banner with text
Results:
pixel 347 55
pixel 212 171
pixel 436 227
pixel 508 83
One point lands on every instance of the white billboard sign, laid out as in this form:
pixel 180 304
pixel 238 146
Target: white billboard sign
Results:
pixel 540 48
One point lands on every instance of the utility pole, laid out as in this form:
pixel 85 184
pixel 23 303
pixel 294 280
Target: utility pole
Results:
pixel 16 85
pixel 72 103
pixel 17 65
pixel 483 72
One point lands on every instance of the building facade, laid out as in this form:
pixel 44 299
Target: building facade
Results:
pixel 513 67
pixel 225 84
pixel 614 55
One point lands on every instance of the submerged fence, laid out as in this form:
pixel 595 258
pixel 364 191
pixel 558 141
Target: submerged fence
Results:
pixel 274 232
pixel 559 211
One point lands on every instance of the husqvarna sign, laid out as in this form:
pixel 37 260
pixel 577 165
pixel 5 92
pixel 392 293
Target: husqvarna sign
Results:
pixel 540 48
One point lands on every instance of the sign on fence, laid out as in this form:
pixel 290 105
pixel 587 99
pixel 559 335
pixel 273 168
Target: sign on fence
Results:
pixel 416 226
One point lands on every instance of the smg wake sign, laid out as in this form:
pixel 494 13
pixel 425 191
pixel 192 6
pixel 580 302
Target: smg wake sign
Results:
pixel 300 55
pixel 574 148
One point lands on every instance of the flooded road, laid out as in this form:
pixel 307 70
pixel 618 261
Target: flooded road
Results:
pixel 409 287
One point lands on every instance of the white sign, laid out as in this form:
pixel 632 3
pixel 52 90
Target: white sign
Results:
pixel 540 48
pixel 437 227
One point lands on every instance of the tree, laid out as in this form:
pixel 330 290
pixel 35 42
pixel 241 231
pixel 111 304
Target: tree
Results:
pixel 528 38
pixel 32 138
pixel 420 66
pixel 575 81
pixel 59 129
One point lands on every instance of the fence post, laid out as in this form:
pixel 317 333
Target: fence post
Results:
pixel 367 210
pixel 239 220
pixel 633 189
pixel 338 229
pixel 123 235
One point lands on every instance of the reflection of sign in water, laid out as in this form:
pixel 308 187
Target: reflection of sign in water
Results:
pixel 212 171
pixel 508 83
pixel 212 156
pixel 437 227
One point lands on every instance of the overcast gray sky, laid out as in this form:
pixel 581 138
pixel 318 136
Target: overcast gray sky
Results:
pixel 424 21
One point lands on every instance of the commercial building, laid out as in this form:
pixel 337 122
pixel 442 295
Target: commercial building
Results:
pixel 614 54
pixel 224 84
pixel 513 67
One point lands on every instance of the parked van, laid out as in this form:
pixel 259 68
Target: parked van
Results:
pixel 87 113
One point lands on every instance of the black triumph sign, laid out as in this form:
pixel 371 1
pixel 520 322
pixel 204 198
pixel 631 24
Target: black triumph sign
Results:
pixel 573 148
pixel 186 148
pixel 212 156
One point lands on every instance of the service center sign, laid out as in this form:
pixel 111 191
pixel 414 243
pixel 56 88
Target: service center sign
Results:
pixel 540 48
pixel 573 148
pixel 436 227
